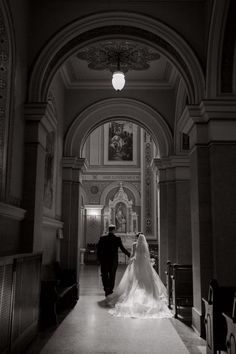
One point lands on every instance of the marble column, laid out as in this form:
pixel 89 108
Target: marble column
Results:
pixel 173 176
pixel 211 127
pixel 71 211
pixel 39 121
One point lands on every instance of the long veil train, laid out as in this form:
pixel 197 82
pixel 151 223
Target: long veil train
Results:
pixel 140 293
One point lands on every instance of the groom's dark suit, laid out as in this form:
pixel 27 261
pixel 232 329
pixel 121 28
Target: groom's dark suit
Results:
pixel 107 251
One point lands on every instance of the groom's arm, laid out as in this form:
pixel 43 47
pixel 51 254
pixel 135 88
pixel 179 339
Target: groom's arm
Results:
pixel 123 249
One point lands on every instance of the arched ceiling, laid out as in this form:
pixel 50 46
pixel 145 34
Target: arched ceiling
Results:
pixel 157 73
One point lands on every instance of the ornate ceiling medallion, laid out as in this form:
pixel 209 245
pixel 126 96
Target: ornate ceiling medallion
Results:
pixel 128 55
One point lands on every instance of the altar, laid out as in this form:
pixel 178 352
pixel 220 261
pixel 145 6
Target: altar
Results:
pixel 120 213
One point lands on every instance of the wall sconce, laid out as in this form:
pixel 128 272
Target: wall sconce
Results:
pixel 93 210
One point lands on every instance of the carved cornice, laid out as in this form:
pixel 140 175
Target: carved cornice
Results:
pixel 211 121
pixel 173 168
pixel 42 113
pixel 74 162
pixel 73 167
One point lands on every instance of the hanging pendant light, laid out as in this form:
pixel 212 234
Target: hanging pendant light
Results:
pixel 118 77
pixel 118 80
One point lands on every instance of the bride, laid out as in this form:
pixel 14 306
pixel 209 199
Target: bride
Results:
pixel 140 293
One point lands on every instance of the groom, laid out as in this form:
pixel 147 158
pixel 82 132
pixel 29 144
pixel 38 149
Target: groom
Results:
pixel 107 251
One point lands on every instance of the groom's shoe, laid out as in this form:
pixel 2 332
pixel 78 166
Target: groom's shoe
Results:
pixel 108 292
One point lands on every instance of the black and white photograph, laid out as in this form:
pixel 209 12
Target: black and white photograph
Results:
pixel 118 177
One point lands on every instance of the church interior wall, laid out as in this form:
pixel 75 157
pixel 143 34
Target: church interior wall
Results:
pixel 19 91
pixel 9 236
pixel 223 196
pixel 57 90
pixel 52 212
pixel 183 223
pixel 10 222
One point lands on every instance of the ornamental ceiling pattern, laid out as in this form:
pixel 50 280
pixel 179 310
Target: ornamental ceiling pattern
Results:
pixel 107 55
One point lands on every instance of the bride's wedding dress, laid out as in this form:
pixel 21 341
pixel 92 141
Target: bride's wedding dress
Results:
pixel 140 293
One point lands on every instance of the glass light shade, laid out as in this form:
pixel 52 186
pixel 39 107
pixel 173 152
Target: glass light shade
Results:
pixel 118 80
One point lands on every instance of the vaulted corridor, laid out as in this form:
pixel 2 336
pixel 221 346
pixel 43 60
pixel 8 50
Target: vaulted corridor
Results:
pixel 90 329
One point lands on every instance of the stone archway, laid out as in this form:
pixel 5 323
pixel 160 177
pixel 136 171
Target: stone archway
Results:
pixel 105 25
pixel 109 109
pixel 66 43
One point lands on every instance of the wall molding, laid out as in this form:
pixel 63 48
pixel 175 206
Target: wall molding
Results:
pixel 12 212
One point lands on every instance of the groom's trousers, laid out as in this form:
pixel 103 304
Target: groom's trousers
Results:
pixel 108 273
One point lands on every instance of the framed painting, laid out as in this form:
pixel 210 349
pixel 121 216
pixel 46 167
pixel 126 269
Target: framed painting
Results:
pixel 120 139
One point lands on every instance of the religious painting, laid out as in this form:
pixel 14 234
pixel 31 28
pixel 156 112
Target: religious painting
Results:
pixel 120 143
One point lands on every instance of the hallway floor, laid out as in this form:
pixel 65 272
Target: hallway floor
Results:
pixel 90 329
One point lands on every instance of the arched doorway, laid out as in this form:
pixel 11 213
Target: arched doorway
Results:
pixel 119 182
pixel 78 123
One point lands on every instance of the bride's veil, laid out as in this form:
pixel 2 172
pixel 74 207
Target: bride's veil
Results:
pixel 142 250
pixel 145 275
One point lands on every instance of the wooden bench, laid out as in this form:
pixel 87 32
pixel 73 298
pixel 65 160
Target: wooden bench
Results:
pixel 182 287
pixel 231 329
pixel 60 292
pixel 19 300
pixel 220 299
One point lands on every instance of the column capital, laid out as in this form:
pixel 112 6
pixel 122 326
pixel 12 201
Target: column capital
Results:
pixel 172 168
pixel 40 120
pixel 41 113
pixel 211 120
pixel 74 162
pixel 72 168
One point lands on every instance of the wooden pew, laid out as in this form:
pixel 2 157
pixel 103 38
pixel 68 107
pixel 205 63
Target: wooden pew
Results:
pixel 182 287
pixel 19 303
pixel 220 299
pixel 59 291
pixel 169 273
pixel 231 329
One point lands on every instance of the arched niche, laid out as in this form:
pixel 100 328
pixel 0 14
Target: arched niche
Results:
pixel 110 25
pixel 125 184
pixel 109 109
pixel 121 213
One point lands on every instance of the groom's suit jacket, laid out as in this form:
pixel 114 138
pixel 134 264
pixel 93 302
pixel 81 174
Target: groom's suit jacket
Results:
pixel 107 249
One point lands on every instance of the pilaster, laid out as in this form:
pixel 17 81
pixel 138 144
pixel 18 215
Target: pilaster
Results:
pixel 173 176
pixel 39 121
pixel 211 127
pixel 71 213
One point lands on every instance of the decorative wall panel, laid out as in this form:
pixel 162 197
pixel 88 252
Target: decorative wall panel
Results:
pixel 148 212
